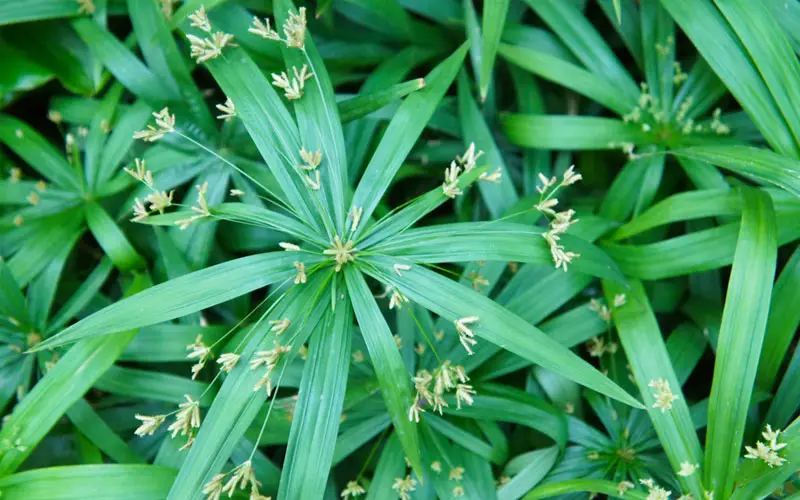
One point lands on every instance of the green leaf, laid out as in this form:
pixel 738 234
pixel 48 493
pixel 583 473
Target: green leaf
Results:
pixel 783 322
pixel 569 23
pixel 452 301
pixel 82 296
pixel 497 197
pixel 123 64
pixel 401 134
pixel 756 163
pixel 719 46
pixel 181 296
pixel 771 54
pixel 236 404
pixel 268 123
pixel 37 152
pixel 17 12
pixel 571 132
pixel 101 482
pixel 316 419
pixel 99 433
pixel 494 19
pixel 744 322
pixel 537 464
pixel 112 239
pixel 390 466
pixel 649 361
pixel 786 402
pixel 65 383
pixel 555 69
pixel 365 103
pixel 601 486
pixel 392 375
pixel 691 253
pixel 34 255
pixel 493 241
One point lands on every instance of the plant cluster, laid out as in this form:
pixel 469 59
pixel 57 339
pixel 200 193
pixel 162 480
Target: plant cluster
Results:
pixel 397 249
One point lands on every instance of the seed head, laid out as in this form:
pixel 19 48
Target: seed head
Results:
pixel 228 110
pixel 149 424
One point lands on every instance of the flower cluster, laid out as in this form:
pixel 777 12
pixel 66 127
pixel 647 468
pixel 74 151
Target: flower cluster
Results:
pixel 310 163
pixel 404 486
pixel 301 277
pixel 768 452
pixel 465 335
pixel 445 378
pixel 165 122
pixel 342 252
pixel 353 489
pixel 228 110
pixel 624 486
pixel 201 352
pixel 187 421
pixel 292 87
pixel 240 478
pixel 687 469
pixel 561 220
pixel 457 474
pixel 158 200
pixel 663 394
pixel 270 360
pixel 294 30
pixel 210 47
pixel 201 208
pixel 86 7
pixel 656 492
pixel 467 162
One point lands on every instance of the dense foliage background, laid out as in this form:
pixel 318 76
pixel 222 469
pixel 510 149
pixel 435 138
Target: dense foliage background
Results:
pixel 399 249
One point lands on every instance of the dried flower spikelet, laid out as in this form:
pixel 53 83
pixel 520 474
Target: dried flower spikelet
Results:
pixel 353 489
pixel 619 300
pixel 149 424
pixel 358 357
pixel 655 492
pixel 236 192
pixel 464 392
pixel 165 123
pixel 495 177
pixel 289 247
pixel 478 281
pixel 397 300
pixel 687 469
pixel 458 491
pixel 310 160
pixel 546 183
pixel 187 417
pixel 86 7
pixel 292 88
pixel 270 360
pixel 263 29
pixel 768 452
pixel 242 476
pixel 140 213
pixel 546 206
pixel 596 347
pixel 33 198
pixel 280 325
pixel 213 488
pixel 404 486
pixel 663 394
pixel 456 474
pixel 295 29
pixel 228 110
pixel 467 161
pixel 465 335
pixel 342 252
pixel 227 361
pixel 398 268
pixel 355 217
pixel 624 486
pixel 678 76
pixel 301 277
pixel 201 352
pixel 140 173
pixel 450 186
pixel 200 20
pixel 200 208
pixel 15 175
pixel 55 116
pixel 313 180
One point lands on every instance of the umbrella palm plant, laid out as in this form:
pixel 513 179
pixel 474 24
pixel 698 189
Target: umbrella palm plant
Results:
pixel 332 245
